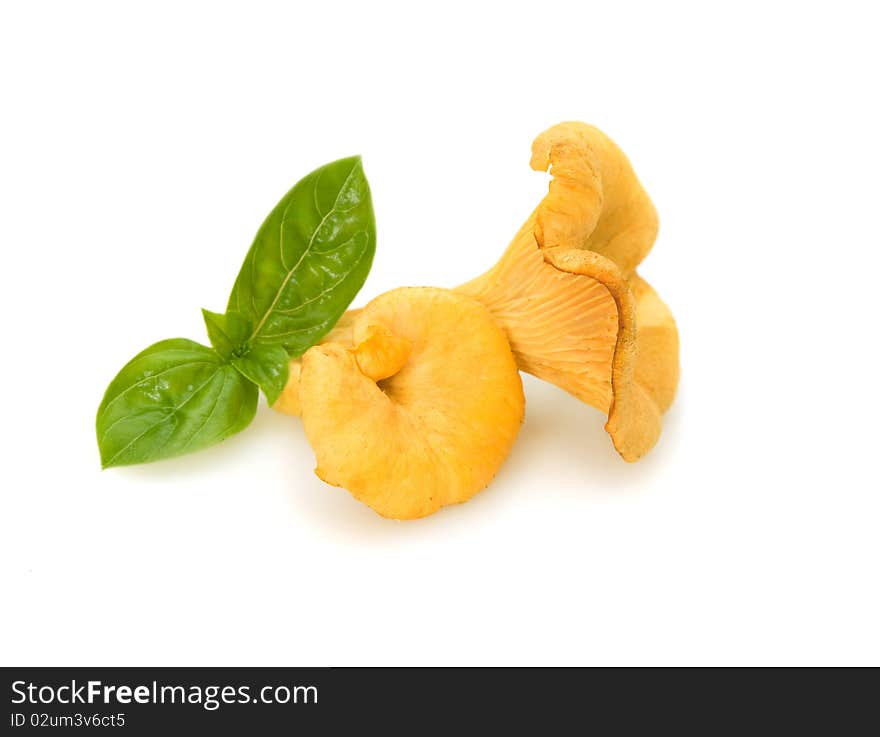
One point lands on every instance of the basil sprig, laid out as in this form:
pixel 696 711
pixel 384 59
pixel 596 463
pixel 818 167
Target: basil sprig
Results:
pixel 308 261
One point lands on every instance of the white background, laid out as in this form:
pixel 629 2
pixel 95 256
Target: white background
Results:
pixel 142 145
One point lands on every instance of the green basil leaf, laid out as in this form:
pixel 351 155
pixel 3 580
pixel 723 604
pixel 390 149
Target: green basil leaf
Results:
pixel 228 333
pixel 309 259
pixel 175 397
pixel 266 366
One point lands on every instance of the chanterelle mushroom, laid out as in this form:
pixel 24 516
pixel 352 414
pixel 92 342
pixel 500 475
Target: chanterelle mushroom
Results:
pixel 567 296
pixel 421 411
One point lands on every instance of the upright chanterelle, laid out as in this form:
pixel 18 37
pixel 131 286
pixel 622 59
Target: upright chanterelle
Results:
pixel 567 295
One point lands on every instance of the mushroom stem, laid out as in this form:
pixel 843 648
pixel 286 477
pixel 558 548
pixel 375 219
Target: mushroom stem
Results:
pixel 561 327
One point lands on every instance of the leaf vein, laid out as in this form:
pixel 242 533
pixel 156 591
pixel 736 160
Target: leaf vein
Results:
pixel 150 378
pixel 316 326
pixel 210 414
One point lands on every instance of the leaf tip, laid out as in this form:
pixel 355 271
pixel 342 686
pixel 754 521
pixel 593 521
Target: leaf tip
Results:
pixel 355 160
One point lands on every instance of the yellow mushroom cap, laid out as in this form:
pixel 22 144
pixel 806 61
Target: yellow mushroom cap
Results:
pixel 437 427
